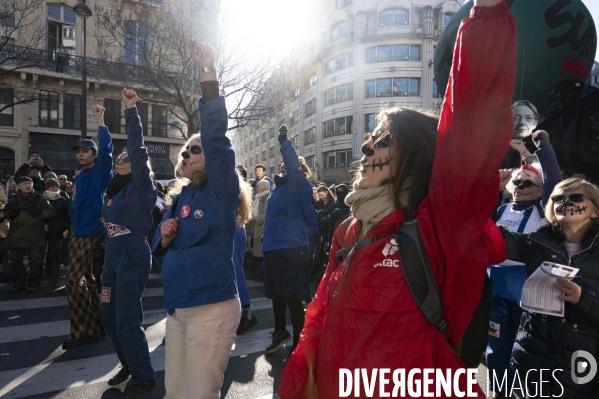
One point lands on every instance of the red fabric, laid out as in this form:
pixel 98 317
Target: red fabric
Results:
pixel 374 322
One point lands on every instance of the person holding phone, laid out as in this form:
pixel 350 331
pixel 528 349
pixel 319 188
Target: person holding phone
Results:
pixel 34 168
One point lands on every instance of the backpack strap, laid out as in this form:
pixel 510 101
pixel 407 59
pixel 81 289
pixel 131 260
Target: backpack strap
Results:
pixel 419 275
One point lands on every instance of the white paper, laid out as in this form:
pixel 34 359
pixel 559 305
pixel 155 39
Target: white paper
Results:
pixel 539 294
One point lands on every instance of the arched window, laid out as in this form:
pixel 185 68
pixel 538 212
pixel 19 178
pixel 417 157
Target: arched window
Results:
pixel 61 22
pixel 394 16
pixel 136 43
pixel 339 30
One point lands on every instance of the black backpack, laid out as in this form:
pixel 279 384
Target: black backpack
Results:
pixel 423 285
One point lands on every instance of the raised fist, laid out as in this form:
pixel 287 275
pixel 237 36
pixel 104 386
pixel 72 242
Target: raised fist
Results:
pixel 129 98
pixel 282 134
pixel 540 138
pixel 202 53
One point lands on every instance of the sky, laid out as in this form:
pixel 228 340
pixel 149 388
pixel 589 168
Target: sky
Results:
pixel 272 27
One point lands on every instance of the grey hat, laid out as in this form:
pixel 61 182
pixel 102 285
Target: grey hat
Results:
pixel 50 175
pixel 264 185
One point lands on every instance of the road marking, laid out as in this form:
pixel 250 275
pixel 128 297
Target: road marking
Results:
pixel 62 328
pixel 49 377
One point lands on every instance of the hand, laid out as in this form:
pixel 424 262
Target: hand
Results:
pixel 540 138
pixel 571 291
pixel 100 114
pixel 33 159
pixel 65 234
pixel 519 146
pixel 504 178
pixel 168 230
pixel 486 3
pixel 282 134
pixel 39 161
pixel 46 227
pixel 203 55
pixel 129 97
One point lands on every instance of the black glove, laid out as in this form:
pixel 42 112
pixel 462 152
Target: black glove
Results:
pixel 35 211
pixel 282 134
pixel 540 138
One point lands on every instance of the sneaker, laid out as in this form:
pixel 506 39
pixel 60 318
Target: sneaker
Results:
pixel 73 342
pixel 119 377
pixel 246 323
pixel 32 289
pixel 16 288
pixel 140 391
pixel 279 338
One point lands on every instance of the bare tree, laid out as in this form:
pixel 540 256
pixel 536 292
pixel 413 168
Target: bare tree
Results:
pixel 19 20
pixel 154 39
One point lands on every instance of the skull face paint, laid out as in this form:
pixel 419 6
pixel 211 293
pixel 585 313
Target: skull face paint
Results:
pixel 575 208
pixel 375 165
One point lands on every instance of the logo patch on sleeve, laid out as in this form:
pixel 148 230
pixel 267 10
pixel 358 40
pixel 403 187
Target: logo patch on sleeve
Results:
pixel 105 297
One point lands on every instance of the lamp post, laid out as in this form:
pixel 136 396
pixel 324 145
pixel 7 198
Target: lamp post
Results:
pixel 84 11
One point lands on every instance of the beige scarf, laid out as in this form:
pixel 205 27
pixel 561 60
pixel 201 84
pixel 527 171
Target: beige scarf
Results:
pixel 371 205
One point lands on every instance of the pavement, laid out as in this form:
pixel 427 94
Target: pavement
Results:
pixel 33 364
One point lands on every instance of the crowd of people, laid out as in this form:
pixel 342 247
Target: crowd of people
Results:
pixel 484 206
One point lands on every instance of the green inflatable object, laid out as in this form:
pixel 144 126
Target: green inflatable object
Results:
pixel 556 42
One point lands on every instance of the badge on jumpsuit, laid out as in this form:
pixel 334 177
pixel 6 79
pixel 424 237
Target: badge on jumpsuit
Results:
pixel 185 211
pixel 198 214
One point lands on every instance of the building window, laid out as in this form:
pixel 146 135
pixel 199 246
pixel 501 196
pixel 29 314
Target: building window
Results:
pixel 435 90
pixel 7 98
pixel 112 115
pixel 338 30
pixel 295 141
pixel 311 80
pixel 339 94
pixel 72 111
pixel 394 17
pixel 310 136
pixel 136 43
pixel 251 161
pixel 61 23
pixel 264 137
pixel 446 18
pixel 310 162
pixel 296 92
pixel 251 145
pixel 264 155
pixel 337 126
pixel 397 52
pixel 343 3
pixel 340 62
pixel 48 111
pixel 310 107
pixel 8 21
pixel 257 141
pixel 272 132
pixel 271 152
pixel 272 171
pixel 393 87
pixel 142 111
pixel 369 122
pixel 159 124
pixel 337 159
pixel 294 117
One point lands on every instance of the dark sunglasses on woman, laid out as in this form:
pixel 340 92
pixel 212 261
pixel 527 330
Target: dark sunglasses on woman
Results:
pixel 124 159
pixel 575 198
pixel 524 183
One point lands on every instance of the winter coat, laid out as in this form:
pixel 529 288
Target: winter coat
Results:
pixel 547 342
pixel 198 267
pixel 27 230
pixel 89 186
pixel 60 222
pixel 365 316
pixel 258 222
pixel 285 220
pixel 255 185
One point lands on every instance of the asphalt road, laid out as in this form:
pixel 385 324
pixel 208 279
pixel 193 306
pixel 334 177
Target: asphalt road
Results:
pixel 33 365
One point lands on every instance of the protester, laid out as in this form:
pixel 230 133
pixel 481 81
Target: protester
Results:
pixel 530 187
pixel 365 316
pixel 35 167
pixel 62 179
pixel 256 224
pixel 336 212
pixel 127 216
pixel 550 342
pixel 27 213
pixel 327 200
pixel 260 171
pixel 68 188
pixel 56 229
pixel 315 198
pixel 91 179
pixel 196 238
pixel 285 244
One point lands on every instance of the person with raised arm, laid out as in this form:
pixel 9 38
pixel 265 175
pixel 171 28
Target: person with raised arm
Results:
pixel 364 315
pixel 196 239
pixel 127 217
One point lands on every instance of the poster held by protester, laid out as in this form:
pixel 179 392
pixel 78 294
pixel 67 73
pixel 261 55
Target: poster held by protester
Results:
pixel 539 294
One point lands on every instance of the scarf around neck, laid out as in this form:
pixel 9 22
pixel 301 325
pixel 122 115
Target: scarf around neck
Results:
pixel 117 184
pixel 256 203
pixel 371 205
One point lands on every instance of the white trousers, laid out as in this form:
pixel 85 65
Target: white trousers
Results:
pixel 198 345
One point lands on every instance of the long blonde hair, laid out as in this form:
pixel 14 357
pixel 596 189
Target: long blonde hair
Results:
pixel 244 206
pixel 198 177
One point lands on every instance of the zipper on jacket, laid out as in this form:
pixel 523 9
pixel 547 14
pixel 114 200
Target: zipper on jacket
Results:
pixel 345 269
pixel 553 249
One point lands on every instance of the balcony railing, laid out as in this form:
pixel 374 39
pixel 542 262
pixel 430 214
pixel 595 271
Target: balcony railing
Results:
pixel 394 31
pixel 339 132
pixel 25 57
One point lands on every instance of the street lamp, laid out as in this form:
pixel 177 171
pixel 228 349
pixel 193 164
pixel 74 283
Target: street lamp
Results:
pixel 84 11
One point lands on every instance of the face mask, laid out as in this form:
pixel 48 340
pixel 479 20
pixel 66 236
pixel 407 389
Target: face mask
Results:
pixel 51 194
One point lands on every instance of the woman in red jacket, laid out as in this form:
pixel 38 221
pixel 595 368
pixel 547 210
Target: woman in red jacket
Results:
pixel 364 316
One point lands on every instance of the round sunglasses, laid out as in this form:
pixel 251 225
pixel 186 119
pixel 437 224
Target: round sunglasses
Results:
pixel 575 198
pixel 524 183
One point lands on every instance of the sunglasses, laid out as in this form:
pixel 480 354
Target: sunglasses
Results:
pixel 61 178
pixel 524 183
pixel 124 159
pixel 381 139
pixel 576 198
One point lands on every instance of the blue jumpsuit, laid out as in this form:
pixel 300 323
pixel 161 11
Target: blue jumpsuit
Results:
pixel 127 218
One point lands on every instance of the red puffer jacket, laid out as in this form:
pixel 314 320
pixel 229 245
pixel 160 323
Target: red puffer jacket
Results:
pixel 374 321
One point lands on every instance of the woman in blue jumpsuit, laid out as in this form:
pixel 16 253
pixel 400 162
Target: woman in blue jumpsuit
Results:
pixel 127 217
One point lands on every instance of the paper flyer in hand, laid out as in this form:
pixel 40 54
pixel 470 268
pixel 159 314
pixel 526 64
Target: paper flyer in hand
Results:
pixel 539 294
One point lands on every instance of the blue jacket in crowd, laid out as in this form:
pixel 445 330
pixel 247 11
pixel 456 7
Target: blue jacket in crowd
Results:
pixel 130 211
pixel 289 207
pixel 89 187
pixel 198 267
